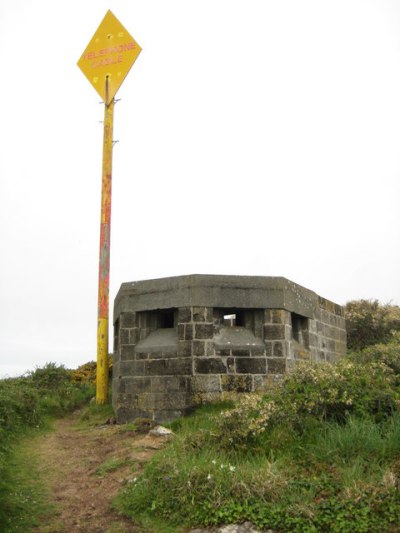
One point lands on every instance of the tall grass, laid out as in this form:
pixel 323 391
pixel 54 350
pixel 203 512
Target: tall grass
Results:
pixel 359 437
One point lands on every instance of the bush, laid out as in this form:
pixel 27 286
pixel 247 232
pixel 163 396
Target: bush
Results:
pixel 310 395
pixel 389 354
pixel 86 373
pixel 26 401
pixel 58 394
pixel 333 391
pixel 51 377
pixel 368 323
pixel 241 426
pixel 18 405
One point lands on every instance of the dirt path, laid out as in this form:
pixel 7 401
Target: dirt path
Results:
pixel 85 468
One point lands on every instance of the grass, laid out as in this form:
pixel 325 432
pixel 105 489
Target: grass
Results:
pixel 94 415
pixel 27 406
pixel 24 497
pixel 320 454
pixel 112 464
pixel 333 478
pixel 193 472
pixel 359 438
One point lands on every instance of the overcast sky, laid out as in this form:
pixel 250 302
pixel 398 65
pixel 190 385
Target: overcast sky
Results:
pixel 256 137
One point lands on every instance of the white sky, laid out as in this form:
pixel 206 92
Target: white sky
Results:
pixel 256 137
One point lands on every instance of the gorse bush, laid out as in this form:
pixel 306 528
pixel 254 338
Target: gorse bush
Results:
pixel 368 323
pixel 86 373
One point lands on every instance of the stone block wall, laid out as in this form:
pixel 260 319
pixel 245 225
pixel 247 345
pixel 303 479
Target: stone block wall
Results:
pixel 172 352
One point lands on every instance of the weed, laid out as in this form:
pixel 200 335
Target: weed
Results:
pixel 112 464
pixel 93 414
pixel 143 425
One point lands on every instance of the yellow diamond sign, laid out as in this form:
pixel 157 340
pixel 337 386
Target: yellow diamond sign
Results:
pixel 108 57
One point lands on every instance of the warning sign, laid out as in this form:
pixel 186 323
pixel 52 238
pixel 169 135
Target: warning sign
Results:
pixel 108 57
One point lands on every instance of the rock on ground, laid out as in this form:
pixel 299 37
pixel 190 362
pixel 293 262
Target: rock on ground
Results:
pixel 246 527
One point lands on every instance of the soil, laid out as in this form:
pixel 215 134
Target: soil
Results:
pixel 84 468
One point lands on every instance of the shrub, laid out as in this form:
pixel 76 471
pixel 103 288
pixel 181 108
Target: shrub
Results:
pixel 18 405
pixel 389 354
pixel 86 373
pixel 368 322
pixel 57 393
pixel 239 427
pixel 50 377
pixel 332 391
pixel 311 394
pixel 25 401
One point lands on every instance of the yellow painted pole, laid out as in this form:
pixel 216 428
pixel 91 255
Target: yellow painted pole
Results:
pixel 105 62
pixel 104 259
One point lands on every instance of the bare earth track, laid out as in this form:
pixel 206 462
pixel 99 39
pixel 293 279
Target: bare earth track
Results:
pixel 84 469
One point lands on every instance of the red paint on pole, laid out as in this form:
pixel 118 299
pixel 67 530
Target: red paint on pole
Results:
pixel 105 222
pixel 104 259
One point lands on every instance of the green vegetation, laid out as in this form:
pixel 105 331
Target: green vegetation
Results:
pixel 27 405
pixel 368 323
pixel 24 496
pixel 112 464
pixel 321 453
pixel 94 415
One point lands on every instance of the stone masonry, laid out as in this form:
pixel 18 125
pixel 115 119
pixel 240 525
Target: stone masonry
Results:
pixel 189 339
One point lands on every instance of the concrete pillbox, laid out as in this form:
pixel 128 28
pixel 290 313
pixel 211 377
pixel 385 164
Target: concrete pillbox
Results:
pixel 212 334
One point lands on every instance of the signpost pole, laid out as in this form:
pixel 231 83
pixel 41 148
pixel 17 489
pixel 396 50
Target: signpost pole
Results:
pixel 105 62
pixel 104 256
